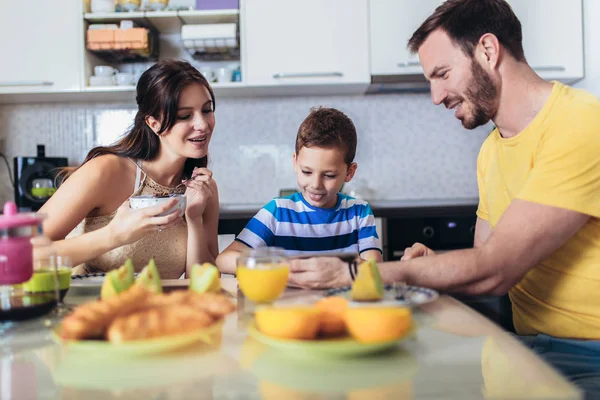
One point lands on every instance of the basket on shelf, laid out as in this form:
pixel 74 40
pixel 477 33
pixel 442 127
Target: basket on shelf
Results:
pixel 122 45
pixel 211 41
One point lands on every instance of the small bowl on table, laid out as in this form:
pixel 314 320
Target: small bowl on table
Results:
pixel 45 274
pixel 139 202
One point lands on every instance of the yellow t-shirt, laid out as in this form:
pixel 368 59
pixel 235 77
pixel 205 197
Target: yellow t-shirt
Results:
pixel 554 161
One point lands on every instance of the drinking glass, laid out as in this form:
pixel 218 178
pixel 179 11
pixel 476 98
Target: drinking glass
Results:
pixel 51 275
pixel 262 274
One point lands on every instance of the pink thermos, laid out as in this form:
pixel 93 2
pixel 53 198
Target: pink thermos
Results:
pixel 16 251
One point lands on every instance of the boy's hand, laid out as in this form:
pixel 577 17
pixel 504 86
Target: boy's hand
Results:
pixel 319 273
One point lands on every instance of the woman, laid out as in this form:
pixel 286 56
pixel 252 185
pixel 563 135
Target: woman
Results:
pixel 165 152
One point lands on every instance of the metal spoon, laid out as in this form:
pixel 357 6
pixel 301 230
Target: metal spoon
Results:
pixel 400 291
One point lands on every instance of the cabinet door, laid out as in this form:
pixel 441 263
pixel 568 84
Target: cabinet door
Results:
pixel 297 42
pixel 392 22
pixel 552 37
pixel 41 46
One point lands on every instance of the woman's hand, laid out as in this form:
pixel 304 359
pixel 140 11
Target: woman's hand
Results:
pixel 129 225
pixel 417 250
pixel 42 248
pixel 199 190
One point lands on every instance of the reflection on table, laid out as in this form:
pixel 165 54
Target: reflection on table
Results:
pixel 454 354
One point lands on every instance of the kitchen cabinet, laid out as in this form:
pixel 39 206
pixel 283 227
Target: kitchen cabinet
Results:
pixel 306 42
pixel 552 37
pixel 165 28
pixel 391 23
pixel 41 46
pixel 286 47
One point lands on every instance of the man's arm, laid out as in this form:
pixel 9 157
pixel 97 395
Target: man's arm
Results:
pixel 483 231
pixel 526 234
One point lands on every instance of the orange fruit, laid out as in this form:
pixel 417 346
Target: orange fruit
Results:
pixel 378 324
pixel 288 322
pixel 332 311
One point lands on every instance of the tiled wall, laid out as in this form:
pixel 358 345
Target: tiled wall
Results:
pixel 408 148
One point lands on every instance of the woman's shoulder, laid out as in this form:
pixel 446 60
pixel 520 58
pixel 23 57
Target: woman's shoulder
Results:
pixel 112 161
pixel 108 167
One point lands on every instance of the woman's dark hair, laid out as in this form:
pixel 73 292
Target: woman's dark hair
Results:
pixel 466 21
pixel 158 91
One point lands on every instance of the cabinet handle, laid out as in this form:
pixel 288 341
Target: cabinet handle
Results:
pixel 283 75
pixel 549 68
pixel 409 64
pixel 25 83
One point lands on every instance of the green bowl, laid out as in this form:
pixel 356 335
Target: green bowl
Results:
pixel 43 281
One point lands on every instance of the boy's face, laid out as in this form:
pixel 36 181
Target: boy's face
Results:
pixel 321 173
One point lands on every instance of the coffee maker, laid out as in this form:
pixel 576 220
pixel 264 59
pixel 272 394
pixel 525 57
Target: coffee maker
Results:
pixel 35 179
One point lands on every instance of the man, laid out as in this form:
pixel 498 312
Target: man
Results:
pixel 537 235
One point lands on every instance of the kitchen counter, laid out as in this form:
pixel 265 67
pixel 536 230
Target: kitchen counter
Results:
pixel 455 353
pixel 381 208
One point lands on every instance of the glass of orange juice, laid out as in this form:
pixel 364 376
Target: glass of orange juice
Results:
pixel 262 274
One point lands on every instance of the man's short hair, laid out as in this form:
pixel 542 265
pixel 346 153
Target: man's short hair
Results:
pixel 466 21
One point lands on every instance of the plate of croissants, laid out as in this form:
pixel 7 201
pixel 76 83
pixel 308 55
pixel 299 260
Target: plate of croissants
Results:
pixel 139 321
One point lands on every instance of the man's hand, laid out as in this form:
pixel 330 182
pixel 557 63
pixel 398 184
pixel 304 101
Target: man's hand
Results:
pixel 319 273
pixel 417 250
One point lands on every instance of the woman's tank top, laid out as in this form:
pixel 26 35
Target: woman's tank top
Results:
pixel 168 247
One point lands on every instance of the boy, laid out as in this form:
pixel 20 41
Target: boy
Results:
pixel 318 218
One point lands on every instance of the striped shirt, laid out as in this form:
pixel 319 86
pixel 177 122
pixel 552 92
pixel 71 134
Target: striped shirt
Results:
pixel 298 227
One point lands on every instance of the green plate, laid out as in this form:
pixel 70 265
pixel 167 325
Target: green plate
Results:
pixel 103 348
pixel 338 347
pixel 140 376
pixel 328 374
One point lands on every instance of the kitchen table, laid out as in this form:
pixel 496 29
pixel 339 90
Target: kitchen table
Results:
pixel 455 353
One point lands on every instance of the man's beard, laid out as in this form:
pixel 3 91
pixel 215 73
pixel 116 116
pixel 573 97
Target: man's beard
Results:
pixel 481 93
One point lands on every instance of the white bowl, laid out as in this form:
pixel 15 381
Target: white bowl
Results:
pixel 137 202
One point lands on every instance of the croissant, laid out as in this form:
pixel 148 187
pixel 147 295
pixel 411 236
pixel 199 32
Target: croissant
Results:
pixel 217 305
pixel 157 322
pixel 90 320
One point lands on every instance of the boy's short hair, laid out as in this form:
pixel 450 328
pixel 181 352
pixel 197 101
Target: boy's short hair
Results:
pixel 466 21
pixel 328 128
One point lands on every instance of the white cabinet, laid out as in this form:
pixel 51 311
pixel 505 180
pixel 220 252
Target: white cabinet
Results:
pixel 41 46
pixel 552 37
pixel 392 22
pixel 304 42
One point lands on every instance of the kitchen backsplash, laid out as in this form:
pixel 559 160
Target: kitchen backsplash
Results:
pixel 407 147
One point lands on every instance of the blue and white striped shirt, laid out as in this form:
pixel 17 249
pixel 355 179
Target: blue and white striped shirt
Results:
pixel 298 227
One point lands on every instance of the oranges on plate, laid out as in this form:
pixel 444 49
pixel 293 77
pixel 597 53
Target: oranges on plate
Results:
pixel 332 321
